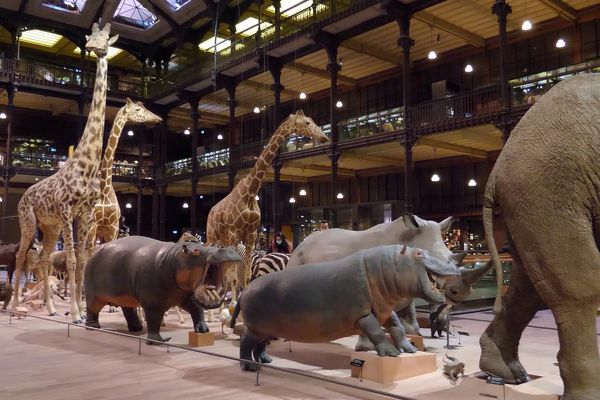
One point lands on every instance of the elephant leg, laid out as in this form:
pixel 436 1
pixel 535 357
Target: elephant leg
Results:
pixel 500 341
pixel 197 314
pixel 372 329
pixel 398 334
pixel 248 342
pixel 154 318
pixel 133 321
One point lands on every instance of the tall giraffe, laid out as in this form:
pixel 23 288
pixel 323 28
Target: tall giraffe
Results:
pixel 70 194
pixel 107 212
pixel 236 218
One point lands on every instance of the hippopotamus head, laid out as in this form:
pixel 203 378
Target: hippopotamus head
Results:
pixel 210 291
pixel 459 288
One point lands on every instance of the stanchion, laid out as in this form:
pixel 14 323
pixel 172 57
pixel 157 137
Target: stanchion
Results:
pixel 140 347
pixel 10 318
pixel 68 330
pixel 257 374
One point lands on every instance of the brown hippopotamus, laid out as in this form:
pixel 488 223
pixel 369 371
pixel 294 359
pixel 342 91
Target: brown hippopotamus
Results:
pixel 325 301
pixel 139 271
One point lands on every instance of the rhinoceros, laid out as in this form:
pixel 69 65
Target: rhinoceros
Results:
pixel 329 300
pixel 139 271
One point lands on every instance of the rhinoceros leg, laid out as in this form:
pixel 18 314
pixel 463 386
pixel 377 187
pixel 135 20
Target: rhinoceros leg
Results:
pixel 197 314
pixel 154 317
pixel 398 334
pixel 364 344
pixel 132 318
pixel 248 343
pixel 500 341
pixel 372 329
pixel 408 317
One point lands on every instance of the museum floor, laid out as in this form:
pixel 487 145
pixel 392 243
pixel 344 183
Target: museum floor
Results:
pixel 40 361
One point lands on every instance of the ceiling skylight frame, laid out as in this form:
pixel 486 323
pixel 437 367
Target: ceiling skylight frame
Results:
pixel 77 6
pixel 175 6
pixel 40 38
pixel 133 13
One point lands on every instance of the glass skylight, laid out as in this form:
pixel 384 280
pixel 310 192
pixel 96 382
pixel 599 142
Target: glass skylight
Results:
pixel 112 52
pixel 249 26
pixel 209 44
pixel 75 6
pixel 131 12
pixel 291 7
pixel 177 4
pixel 41 38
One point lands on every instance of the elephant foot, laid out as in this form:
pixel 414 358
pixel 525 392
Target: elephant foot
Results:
pixel 157 338
pixel 202 327
pixel 406 346
pixel 494 362
pixel 364 344
pixel 247 366
pixel 386 349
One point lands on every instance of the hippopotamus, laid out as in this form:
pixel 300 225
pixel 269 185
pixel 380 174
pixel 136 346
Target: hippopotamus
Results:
pixel 6 292
pixel 325 301
pixel 139 271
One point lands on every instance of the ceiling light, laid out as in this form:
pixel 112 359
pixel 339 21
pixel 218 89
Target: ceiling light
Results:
pixel 128 205
pixel 302 96
pixel 339 104
pixel 175 231
pixel 215 42
pixel 432 55
pixel 187 131
pixel 41 38
pixel 435 178
pixel 256 110
pixel 468 68
pixel 220 137
pixel 257 198
pixel 130 133
pixel 37 179
pixel 1 200
pixel 2 115
pixel 201 196
pixel 292 200
pixel 249 26
pixel 302 192
pixel 472 183
pixel 202 131
pixel 340 195
pixel 185 205
pixel 526 25
pixel 560 43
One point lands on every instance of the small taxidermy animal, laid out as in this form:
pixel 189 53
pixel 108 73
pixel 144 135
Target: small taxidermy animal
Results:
pixel 452 367
pixel 439 320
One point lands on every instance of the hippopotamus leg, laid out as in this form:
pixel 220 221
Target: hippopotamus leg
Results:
pixel 197 314
pixel 132 318
pixel 154 317
pixel 398 334
pixel 92 312
pixel 260 352
pixel 251 343
pixel 372 329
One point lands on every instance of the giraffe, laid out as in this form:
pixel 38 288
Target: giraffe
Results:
pixel 236 218
pixel 107 212
pixel 69 195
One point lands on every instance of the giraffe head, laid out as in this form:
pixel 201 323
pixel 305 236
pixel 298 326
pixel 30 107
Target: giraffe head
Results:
pixel 99 40
pixel 136 113
pixel 301 125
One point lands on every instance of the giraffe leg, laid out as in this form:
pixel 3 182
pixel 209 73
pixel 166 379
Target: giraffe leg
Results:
pixel 50 236
pixel 71 268
pixel 84 249
pixel 27 225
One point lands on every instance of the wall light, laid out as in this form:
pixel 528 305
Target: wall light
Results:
pixel 472 183
pixel 526 25
pixel 257 197
pixel 220 137
pixel 2 115
pixel 128 205
pixel 187 131
pixel 339 104
pixel 175 231
pixel 130 133
pixel 256 110
pixel 340 195
pixel 432 55
pixel 185 205
pixel 302 192
pixel 292 199
pixel 302 96
pixel 435 178
pixel 468 68
pixel 560 43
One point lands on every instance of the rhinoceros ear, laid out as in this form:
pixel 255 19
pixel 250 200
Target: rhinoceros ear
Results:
pixel 403 251
pixel 446 224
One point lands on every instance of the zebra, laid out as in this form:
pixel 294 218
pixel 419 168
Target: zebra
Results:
pixel 269 263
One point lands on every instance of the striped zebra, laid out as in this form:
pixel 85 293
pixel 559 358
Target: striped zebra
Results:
pixel 268 263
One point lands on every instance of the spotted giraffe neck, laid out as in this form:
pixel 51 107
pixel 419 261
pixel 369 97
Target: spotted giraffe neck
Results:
pixel 90 145
pixel 111 146
pixel 257 173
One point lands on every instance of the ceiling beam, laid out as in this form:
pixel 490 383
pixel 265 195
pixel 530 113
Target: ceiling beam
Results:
pixel 370 50
pixel 320 168
pixel 22 6
pixel 321 73
pixel 453 147
pixel 258 85
pixel 487 12
pixel 450 28
pixel 563 10
pixel 352 155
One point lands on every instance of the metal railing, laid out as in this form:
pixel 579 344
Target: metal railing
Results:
pixel 215 159
pixel 168 346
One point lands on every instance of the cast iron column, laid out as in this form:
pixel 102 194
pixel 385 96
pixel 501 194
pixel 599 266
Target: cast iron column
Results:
pixel 163 186
pixel 233 150
pixel 140 182
pixel 333 67
pixel 163 210
pixel 403 16
pixel 194 114
pixel 277 6
pixel 157 176
pixel 277 164
pixel 502 9
pixel 8 171
pixel 275 67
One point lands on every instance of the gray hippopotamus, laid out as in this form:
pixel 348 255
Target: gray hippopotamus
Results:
pixel 325 301
pixel 139 271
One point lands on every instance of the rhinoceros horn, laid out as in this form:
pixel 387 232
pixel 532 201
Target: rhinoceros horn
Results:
pixel 471 276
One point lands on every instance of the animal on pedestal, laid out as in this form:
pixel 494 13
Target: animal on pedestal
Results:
pixel 236 218
pixel 5 293
pixel 452 367
pixel 107 212
pixel 547 183
pixel 438 320
pixel 69 195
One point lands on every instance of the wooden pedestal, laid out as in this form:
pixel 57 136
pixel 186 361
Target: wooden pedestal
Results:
pixel 417 341
pixel 390 369
pixel 200 339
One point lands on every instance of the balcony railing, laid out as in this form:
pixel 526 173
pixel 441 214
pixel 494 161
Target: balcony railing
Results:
pixel 219 158
pixel 65 78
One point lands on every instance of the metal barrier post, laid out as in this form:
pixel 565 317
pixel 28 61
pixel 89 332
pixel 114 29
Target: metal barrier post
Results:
pixel 140 347
pixel 257 374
